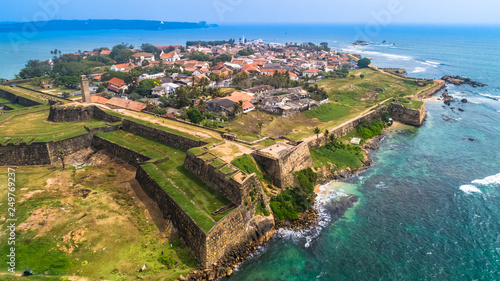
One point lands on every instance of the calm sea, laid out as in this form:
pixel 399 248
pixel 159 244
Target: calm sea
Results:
pixel 429 209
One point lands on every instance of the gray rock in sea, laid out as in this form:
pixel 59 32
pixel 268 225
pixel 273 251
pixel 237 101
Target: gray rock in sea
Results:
pixel 464 100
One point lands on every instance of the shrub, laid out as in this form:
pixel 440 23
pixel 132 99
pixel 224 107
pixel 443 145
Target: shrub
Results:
pixel 291 202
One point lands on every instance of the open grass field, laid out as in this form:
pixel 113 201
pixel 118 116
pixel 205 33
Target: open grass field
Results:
pixel 35 125
pixel 204 196
pixel 328 112
pixel 375 87
pixel 246 125
pixel 340 158
pixel 90 223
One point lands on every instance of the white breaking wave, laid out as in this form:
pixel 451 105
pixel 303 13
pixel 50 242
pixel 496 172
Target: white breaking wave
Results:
pixel 419 69
pixel 469 189
pixel 487 181
pixel 374 53
pixel 323 199
pixel 490 96
pixel 491 180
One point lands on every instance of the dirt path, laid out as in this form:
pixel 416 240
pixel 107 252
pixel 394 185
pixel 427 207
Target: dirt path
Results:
pixel 170 124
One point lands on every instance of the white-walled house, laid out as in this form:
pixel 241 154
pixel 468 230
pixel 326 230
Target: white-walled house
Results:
pixel 140 57
pixel 152 76
pixel 170 87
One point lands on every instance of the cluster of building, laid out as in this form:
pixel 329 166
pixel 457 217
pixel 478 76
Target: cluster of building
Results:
pixel 259 58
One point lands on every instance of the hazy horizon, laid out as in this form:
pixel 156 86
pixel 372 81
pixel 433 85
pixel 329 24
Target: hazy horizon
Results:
pixel 462 12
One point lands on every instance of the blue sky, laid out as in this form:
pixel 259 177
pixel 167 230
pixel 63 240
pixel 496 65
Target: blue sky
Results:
pixel 260 11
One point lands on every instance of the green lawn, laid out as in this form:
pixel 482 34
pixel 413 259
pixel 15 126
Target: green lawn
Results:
pixel 2 100
pixel 340 157
pixel 408 103
pixel 207 198
pixel 328 112
pixel 35 125
pixel 15 106
pixel 246 163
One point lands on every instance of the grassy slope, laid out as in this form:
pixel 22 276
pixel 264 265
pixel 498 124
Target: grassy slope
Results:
pixel 208 199
pixel 328 112
pixel 341 158
pixel 196 214
pixel 35 125
pixel 116 228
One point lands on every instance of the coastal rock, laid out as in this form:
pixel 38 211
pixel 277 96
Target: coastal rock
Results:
pixel 464 100
pixel 447 99
pixel 458 80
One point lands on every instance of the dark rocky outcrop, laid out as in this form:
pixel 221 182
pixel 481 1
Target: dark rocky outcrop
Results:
pixel 447 99
pixel 458 80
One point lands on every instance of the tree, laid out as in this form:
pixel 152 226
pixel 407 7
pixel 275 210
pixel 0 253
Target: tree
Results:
pixel 121 53
pixel 194 115
pixel 237 106
pixel 362 76
pixel 316 132
pixel 259 125
pixel 148 48
pixel 364 62
pixel 145 86
pixel 223 58
pixel 135 96
pixel 326 134
pixel 332 138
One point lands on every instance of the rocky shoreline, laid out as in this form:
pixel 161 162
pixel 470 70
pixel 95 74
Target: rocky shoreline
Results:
pixel 307 220
pixel 458 80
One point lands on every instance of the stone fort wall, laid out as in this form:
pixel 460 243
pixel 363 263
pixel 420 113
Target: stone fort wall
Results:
pixel 239 226
pixel 406 115
pixel 282 166
pixel 18 99
pixel 233 190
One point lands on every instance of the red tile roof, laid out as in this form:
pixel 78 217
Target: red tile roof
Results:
pixel 98 99
pixel 117 82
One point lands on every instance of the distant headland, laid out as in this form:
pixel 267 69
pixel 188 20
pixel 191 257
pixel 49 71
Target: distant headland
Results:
pixel 95 24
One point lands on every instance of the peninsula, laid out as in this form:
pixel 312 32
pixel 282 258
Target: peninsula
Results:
pixel 176 162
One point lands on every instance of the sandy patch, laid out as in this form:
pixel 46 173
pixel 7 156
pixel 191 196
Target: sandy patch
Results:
pixel 40 220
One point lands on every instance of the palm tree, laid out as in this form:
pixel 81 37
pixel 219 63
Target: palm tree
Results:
pixel 237 106
pixel 326 134
pixel 316 132
pixel 332 138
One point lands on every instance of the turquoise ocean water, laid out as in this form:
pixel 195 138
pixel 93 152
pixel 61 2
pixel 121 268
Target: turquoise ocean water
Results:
pixel 429 209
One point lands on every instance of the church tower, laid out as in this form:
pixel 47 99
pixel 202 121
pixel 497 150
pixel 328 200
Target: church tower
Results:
pixel 84 86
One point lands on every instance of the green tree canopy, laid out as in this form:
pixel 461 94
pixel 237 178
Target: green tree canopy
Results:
pixel 194 115
pixel 364 62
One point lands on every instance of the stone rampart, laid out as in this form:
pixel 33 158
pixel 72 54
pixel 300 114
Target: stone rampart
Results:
pixel 18 99
pixel 283 165
pixel 192 234
pixel 161 135
pixel 406 115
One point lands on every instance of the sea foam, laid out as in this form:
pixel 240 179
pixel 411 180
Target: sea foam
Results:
pixel 469 189
pixel 419 69
pixel 491 180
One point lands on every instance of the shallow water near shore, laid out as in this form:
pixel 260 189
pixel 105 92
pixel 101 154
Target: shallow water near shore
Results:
pixel 413 220
pixel 429 208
